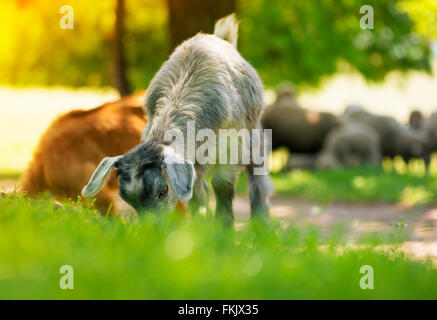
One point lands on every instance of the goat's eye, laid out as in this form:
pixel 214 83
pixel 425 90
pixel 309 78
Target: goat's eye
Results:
pixel 163 192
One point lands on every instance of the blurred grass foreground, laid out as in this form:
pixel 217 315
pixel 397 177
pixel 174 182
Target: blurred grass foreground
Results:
pixel 173 258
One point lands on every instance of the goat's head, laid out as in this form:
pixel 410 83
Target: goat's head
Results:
pixel 151 176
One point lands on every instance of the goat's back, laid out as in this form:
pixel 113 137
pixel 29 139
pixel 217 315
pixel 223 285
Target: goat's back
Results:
pixel 208 81
pixel 75 143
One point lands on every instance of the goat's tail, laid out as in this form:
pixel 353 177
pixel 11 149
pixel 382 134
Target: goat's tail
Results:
pixel 227 29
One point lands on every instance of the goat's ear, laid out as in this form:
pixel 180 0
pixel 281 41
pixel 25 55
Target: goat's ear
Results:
pixel 180 175
pixel 99 176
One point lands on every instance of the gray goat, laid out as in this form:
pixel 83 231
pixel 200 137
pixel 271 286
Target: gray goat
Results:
pixel 205 81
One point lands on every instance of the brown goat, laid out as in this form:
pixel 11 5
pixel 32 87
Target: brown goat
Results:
pixel 75 143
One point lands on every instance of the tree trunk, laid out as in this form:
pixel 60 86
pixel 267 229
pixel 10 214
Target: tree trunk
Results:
pixel 119 77
pixel 188 17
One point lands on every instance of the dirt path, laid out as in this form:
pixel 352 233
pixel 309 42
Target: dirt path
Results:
pixel 418 223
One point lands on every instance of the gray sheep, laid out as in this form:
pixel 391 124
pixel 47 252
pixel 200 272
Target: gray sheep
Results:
pixel 425 128
pixel 350 145
pixel 297 129
pixel 206 82
pixel 430 131
pixel 395 139
pixel 286 95
pixel 352 108
pixel 416 121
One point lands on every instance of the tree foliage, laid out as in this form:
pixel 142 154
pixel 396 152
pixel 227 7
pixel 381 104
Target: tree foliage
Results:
pixel 424 14
pixel 36 51
pixel 303 41
pixel 299 41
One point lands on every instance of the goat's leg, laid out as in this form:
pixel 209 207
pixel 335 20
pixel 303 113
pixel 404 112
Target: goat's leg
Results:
pixel 200 194
pixel 223 184
pixel 260 185
pixel 260 188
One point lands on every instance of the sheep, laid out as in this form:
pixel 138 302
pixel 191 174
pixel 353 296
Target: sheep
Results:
pixel 430 132
pixel 297 129
pixel 205 82
pixel 350 109
pixel 76 142
pixel 286 95
pixel 301 131
pixel 350 145
pixel 416 121
pixel 395 139
pixel 424 127
pixel 430 129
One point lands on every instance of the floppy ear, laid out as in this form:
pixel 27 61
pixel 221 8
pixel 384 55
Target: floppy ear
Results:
pixel 99 176
pixel 180 175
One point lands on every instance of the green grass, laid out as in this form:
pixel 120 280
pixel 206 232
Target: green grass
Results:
pixel 10 174
pixel 359 185
pixel 167 256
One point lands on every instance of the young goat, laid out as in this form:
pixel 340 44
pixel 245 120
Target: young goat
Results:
pixel 205 82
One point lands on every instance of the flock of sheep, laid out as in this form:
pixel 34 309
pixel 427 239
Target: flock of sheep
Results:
pixel 357 137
